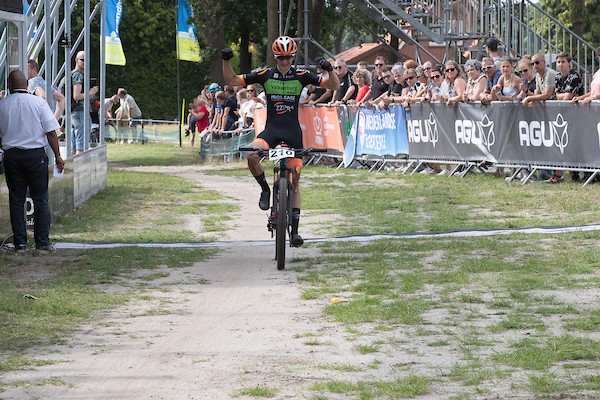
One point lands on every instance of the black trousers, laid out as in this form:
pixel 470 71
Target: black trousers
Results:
pixel 28 169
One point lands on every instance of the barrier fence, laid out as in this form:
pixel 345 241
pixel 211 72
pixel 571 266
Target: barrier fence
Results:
pixel 553 134
pixel 143 130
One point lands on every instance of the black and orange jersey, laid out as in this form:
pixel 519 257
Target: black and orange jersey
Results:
pixel 283 94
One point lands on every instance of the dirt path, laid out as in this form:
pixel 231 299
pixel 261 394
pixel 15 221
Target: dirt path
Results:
pixel 245 327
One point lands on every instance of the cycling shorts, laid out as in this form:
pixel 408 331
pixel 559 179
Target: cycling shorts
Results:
pixel 276 137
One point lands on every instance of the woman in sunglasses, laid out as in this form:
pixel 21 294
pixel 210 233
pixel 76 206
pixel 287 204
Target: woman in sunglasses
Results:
pixel 438 90
pixel 456 83
pixel 527 76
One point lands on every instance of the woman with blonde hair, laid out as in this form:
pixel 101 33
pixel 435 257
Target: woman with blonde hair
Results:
pixel 456 82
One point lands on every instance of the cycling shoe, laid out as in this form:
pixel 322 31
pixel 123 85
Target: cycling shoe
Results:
pixel 263 203
pixel 297 240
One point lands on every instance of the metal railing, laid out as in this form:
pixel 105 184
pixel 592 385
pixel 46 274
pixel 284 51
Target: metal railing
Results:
pixel 522 26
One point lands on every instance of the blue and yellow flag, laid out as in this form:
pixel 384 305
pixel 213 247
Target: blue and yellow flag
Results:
pixel 114 50
pixel 188 48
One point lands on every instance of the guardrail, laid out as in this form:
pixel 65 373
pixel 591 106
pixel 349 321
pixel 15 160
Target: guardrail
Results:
pixel 142 130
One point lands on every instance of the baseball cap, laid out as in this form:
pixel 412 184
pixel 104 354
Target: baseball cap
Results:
pixel 213 88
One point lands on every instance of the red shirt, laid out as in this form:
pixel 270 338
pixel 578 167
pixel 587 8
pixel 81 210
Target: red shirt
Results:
pixel 201 124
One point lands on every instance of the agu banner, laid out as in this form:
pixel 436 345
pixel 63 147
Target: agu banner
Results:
pixel 114 50
pixel 550 133
pixel 378 132
pixel 188 48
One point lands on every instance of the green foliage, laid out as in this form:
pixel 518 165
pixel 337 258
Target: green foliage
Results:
pixel 569 11
pixel 148 36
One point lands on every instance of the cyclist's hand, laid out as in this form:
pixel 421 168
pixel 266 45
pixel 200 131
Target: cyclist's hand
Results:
pixel 227 54
pixel 325 65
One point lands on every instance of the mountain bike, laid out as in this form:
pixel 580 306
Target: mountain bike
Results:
pixel 280 218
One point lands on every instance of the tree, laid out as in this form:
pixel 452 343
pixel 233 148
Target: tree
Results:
pixel 273 29
pixel 581 16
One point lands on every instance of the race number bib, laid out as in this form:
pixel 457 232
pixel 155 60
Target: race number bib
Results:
pixel 278 154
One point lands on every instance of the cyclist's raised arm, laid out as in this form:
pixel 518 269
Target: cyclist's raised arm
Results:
pixel 231 78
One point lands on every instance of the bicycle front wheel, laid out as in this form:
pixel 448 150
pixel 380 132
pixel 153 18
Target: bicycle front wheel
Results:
pixel 282 222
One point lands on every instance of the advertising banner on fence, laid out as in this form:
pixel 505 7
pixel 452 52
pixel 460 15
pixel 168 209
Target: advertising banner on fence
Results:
pixel 321 128
pixel 554 133
pixel 378 132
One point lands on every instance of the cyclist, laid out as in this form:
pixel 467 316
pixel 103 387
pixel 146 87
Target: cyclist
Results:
pixel 283 85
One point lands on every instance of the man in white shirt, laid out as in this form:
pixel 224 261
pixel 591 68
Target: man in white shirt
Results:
pixel 27 126
pixel 130 107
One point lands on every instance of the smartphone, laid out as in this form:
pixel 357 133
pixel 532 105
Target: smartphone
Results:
pixel 93 82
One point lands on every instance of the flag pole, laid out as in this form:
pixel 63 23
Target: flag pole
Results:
pixel 179 109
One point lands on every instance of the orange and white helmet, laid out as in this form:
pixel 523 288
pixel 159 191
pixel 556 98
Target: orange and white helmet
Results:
pixel 284 46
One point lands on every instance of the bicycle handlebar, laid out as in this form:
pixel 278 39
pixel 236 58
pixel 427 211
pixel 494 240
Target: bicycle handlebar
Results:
pixel 298 152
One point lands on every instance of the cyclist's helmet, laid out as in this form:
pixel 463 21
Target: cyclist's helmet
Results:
pixel 284 46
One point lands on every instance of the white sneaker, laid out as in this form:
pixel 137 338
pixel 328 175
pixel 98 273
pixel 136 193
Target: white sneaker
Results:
pixel 426 171
pixel 444 172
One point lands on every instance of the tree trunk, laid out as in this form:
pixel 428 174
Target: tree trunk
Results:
pixel 316 18
pixel 213 34
pixel 272 28
pixel 579 18
pixel 300 18
pixel 245 55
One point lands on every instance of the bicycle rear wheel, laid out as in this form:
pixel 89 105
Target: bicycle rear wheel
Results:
pixel 282 222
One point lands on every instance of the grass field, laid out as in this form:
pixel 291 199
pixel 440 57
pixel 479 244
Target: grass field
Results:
pixel 517 312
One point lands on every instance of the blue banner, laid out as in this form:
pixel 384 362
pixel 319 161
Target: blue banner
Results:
pixel 188 48
pixel 378 132
pixel 114 49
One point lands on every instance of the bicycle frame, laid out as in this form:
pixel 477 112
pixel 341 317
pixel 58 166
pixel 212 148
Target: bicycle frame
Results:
pixel 280 217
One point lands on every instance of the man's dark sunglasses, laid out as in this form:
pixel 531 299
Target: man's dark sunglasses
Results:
pixel 378 65
pixel 450 69
pixel 535 63
pixel 284 57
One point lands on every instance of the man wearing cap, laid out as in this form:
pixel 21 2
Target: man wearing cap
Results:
pixel 211 91
pixel 491 48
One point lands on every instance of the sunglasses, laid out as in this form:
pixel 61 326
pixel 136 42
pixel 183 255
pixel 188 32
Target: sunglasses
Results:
pixel 486 68
pixel 378 65
pixel 81 59
pixel 450 69
pixel 535 63
pixel 284 57
pixel 524 70
pixel 435 76
pixel 338 67
pixel 410 77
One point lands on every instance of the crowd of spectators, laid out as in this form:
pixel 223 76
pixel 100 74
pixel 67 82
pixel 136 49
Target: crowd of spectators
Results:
pixel 527 79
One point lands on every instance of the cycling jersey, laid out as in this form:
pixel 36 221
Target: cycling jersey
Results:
pixel 282 93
